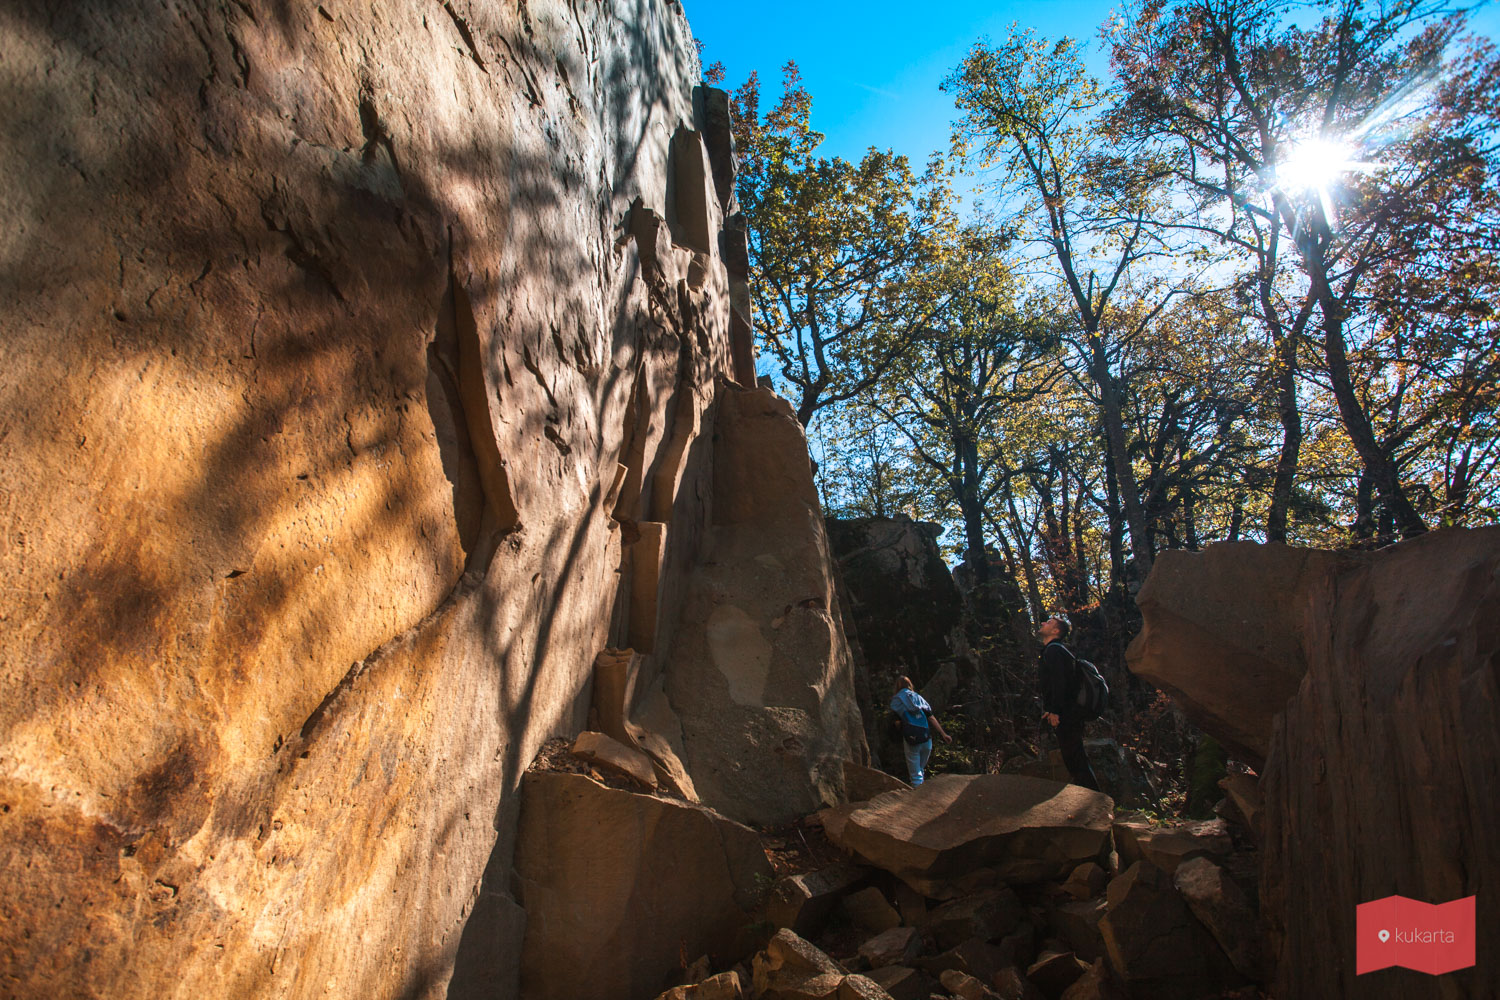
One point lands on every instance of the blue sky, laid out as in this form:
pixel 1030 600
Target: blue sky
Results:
pixel 874 67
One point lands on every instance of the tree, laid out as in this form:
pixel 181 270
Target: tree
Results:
pixel 828 243
pixel 977 353
pixel 1032 110
pixel 1341 139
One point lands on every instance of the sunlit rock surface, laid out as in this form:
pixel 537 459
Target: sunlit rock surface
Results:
pixel 349 352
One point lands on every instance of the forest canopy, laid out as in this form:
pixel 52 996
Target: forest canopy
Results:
pixel 1244 287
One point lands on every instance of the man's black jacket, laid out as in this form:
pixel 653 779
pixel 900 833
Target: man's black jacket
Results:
pixel 1059 684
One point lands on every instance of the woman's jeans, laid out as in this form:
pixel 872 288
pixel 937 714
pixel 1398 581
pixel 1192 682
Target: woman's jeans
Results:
pixel 916 760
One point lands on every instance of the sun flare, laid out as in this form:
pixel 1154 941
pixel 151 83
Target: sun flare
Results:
pixel 1315 165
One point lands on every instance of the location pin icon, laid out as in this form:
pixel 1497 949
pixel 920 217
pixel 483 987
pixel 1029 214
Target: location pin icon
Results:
pixel 1384 936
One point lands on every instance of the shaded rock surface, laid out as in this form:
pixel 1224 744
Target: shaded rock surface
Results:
pixel 659 877
pixel 905 608
pixel 1387 745
pixel 1223 634
pixel 1154 943
pixel 760 673
pixel 956 832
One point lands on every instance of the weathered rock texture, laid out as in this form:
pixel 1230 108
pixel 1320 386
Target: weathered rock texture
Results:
pixel 618 886
pixel 1382 772
pixel 760 674
pixel 354 367
pixel 1223 634
pixel 907 609
pixel 960 832
pixel 902 610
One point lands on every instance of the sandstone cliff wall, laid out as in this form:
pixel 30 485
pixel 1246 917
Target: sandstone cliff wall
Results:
pixel 1368 682
pixel 349 353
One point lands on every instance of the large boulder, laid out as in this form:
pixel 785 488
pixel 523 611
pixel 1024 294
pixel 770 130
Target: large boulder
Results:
pixel 618 885
pixel 1222 634
pixel 1222 907
pixel 960 832
pixel 1387 744
pixel 760 673
pixel 905 605
pixel 1154 943
pixel 340 370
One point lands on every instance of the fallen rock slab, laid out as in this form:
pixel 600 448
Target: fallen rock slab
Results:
pixel 802 902
pixel 1155 944
pixel 868 908
pixel 611 755
pixel 1055 971
pixel 1095 984
pixel 956 833
pixel 897 946
pixel 987 915
pixel 1243 790
pixel 1166 847
pixel 863 783
pixel 1087 880
pixel 724 986
pixel 901 982
pixel 1077 923
pixel 617 885
pixel 1221 906
pixel 963 985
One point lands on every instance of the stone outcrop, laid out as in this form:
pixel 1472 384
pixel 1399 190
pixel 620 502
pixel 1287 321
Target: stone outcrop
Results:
pixel 1223 634
pixel 358 362
pixel 906 608
pixel 1382 769
pixel 955 833
pixel 903 608
pixel 617 886
pixel 760 674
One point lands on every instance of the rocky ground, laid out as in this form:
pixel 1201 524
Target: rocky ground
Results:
pixel 974 886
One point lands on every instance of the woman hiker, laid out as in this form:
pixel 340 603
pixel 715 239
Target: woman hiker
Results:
pixel 917 725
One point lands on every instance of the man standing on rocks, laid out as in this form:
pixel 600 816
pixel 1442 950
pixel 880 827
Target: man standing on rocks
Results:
pixel 1059 677
pixel 917 725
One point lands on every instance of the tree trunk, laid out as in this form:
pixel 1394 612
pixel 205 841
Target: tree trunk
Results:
pixel 1033 592
pixel 1291 439
pixel 1115 521
pixel 1114 430
pixel 1311 239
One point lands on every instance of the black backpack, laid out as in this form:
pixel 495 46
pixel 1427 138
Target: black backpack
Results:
pixel 1093 692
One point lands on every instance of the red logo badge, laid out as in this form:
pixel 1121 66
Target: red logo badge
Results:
pixel 1429 937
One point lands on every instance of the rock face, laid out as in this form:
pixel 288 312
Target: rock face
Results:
pixel 903 610
pixel 759 673
pixel 661 878
pixel 939 837
pixel 906 608
pixel 1389 748
pixel 356 365
pixel 1223 634
pixel 1154 943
